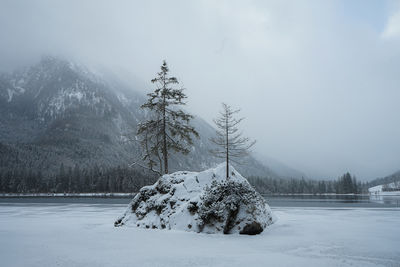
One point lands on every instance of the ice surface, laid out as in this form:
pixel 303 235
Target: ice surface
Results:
pixel 84 235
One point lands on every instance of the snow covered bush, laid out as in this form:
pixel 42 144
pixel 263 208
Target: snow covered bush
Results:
pixel 222 201
pixel 201 202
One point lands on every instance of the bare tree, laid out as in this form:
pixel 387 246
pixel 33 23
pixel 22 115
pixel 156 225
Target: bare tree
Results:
pixel 231 145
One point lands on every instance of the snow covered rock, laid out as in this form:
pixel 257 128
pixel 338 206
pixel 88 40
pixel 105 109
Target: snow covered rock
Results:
pixel 201 202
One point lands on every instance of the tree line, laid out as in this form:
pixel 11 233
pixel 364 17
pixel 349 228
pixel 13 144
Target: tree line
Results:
pixel 75 180
pixel 127 180
pixel 346 184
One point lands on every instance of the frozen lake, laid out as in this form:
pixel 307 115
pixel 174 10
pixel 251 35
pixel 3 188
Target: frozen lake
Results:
pixel 325 201
pixel 82 234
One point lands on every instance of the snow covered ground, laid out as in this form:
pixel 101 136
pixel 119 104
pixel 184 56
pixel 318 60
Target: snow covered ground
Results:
pixel 83 235
pixel 378 190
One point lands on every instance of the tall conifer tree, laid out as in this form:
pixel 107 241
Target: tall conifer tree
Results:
pixel 168 127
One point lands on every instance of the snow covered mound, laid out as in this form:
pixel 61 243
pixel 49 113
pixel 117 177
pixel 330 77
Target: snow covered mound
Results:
pixel 201 202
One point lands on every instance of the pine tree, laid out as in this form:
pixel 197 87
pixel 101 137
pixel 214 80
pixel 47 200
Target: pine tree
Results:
pixel 61 179
pixel 230 142
pixel 168 127
pixel 355 186
pixel 347 183
pixel 76 181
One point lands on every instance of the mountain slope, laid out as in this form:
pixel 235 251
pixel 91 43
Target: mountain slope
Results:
pixel 393 178
pixel 280 169
pixel 58 112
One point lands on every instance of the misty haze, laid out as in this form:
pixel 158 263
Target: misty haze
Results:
pixel 262 133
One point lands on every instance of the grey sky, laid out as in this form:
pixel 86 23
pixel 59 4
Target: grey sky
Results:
pixel 318 81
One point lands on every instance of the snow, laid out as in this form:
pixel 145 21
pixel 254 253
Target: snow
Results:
pixel 199 202
pixel 83 235
pixel 123 99
pixel 10 95
pixel 377 190
pixel 76 94
pixel 68 97
pixel 16 91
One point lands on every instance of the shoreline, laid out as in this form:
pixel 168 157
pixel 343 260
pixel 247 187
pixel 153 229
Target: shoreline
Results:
pixel 105 195
pixel 5 195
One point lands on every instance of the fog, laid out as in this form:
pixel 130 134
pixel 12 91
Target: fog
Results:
pixel 318 81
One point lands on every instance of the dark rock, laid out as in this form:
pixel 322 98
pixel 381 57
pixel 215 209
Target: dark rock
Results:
pixel 253 228
pixel 192 207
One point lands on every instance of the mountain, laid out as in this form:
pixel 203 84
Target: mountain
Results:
pixel 60 112
pixel 280 169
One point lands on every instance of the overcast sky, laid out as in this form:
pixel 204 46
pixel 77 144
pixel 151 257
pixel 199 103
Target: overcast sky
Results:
pixel 318 81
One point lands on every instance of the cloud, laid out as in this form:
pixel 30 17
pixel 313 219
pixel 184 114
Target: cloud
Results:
pixel 392 28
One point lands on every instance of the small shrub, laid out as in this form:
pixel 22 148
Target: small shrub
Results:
pixel 222 201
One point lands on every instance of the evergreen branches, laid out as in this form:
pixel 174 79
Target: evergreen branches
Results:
pixel 167 128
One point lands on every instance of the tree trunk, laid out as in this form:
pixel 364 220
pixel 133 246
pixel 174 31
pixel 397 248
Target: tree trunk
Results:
pixel 165 152
pixel 227 149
